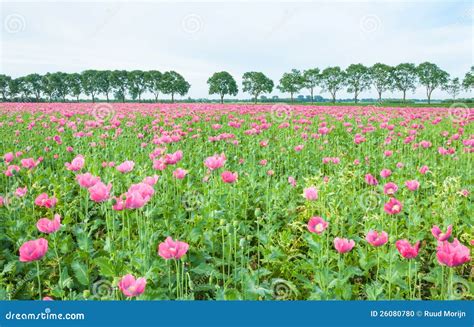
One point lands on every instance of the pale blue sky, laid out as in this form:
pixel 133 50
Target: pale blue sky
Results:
pixel 198 38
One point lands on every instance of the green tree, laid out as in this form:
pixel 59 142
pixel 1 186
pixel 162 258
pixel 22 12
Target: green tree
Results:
pixel 405 78
pixel 332 80
pixel 13 88
pixel 137 84
pixel 47 86
pixel 468 82
pixel 34 82
pixel 222 83
pixel 24 88
pixel 291 82
pixel 59 85
pixel 256 83
pixel 153 81
pixel 120 83
pixel 90 83
pixel 382 78
pixel 357 79
pixel 431 77
pixel 173 83
pixel 311 78
pixel 75 86
pixel 453 87
pixel 104 82
pixel 4 81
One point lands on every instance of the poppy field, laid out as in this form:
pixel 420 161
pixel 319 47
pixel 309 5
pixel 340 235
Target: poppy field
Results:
pixel 113 201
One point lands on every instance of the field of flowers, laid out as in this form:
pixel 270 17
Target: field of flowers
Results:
pixel 257 202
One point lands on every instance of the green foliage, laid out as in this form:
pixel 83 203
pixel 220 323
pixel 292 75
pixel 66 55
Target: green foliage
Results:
pixel 222 83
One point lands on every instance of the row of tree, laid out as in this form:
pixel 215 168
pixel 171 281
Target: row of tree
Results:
pixel 355 79
pixel 120 83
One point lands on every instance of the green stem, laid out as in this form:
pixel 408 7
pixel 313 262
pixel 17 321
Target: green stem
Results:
pixel 39 279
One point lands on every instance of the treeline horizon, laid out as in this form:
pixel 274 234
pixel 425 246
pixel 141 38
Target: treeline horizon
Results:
pixel 132 85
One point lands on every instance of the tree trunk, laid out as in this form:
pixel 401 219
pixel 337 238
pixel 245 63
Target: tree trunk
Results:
pixel 93 98
pixel 291 97
pixel 404 94
pixel 333 97
pixel 107 95
pixel 139 97
pixel 312 101
pixel 77 97
pixel 222 99
pixel 172 97
pixel 355 97
pixel 156 97
pixel 380 96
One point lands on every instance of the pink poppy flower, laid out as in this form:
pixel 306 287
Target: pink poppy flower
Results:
pixel 412 185
pixel 452 254
pixel 21 191
pixel 151 180
pixel 87 180
pixel 47 298
pixel 48 226
pixel 317 225
pixel 371 180
pixel 376 239
pixel 173 158
pixel 229 177
pixel 310 193
pixel 99 192
pixel 343 245
pixel 292 181
pixel 8 157
pixel 126 166
pixel 215 162
pixel 180 173
pixel 30 163
pixel 170 249
pixel 76 164
pixel 385 173
pixel 390 188
pixel 439 235
pixel 33 250
pixel 43 200
pixel 11 170
pixel 406 249
pixel 131 286
pixel 393 206
pixel 424 170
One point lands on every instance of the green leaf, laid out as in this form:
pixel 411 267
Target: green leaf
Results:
pixel 81 273
pixel 105 266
